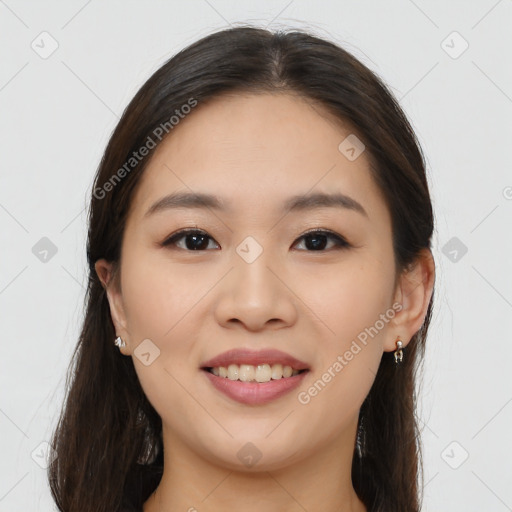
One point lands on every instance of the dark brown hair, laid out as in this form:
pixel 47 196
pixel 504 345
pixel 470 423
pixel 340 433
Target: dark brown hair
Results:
pixel 108 439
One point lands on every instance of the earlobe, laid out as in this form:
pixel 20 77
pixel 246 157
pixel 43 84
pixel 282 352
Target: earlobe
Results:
pixel 414 292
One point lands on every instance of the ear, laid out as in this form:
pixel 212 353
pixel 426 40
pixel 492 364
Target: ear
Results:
pixel 413 292
pixel 111 283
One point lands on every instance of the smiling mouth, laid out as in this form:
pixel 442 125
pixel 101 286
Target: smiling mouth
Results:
pixel 254 373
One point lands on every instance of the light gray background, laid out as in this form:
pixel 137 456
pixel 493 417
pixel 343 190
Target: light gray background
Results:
pixel 58 112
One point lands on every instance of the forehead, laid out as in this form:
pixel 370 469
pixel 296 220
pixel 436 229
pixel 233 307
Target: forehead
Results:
pixel 255 149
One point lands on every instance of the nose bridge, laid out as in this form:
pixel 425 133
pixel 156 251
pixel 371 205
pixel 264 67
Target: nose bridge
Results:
pixel 252 277
pixel 252 293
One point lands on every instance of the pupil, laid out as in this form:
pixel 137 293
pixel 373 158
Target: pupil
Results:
pixel 195 247
pixel 318 242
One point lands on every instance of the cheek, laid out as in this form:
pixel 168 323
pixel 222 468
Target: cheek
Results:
pixel 157 296
pixel 354 306
pixel 349 298
pixel 162 302
pixel 349 304
pixel 159 304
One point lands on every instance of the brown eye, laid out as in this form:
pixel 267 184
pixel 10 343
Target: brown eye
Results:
pixel 317 240
pixel 194 240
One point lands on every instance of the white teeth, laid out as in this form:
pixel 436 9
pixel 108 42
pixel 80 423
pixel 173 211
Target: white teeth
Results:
pixel 246 372
pixel 263 373
pixel 277 371
pixel 233 372
pixel 287 371
pixel 249 373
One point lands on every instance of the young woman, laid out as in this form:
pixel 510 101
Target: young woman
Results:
pixel 260 290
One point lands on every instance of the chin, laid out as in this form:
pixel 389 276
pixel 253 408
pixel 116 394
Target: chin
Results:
pixel 259 455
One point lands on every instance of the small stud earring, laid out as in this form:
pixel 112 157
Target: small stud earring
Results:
pixel 399 355
pixel 119 342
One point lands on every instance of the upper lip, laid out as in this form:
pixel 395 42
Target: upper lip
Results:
pixel 246 356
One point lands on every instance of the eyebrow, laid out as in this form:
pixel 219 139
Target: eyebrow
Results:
pixel 306 202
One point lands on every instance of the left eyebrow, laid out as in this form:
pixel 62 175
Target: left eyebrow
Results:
pixel 322 200
pixel 305 202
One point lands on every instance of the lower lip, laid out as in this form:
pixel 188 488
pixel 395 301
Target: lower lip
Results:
pixel 255 393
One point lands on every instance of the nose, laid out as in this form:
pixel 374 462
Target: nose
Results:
pixel 256 296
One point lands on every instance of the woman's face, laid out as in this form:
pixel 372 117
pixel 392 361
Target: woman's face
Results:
pixel 257 282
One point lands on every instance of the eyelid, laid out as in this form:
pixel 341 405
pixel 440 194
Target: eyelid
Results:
pixel 320 230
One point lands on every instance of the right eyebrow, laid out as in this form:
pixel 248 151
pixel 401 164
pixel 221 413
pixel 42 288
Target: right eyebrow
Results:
pixel 186 200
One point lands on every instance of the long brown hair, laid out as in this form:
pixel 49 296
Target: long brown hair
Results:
pixel 108 439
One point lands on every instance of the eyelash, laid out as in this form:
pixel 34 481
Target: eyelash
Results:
pixel 340 242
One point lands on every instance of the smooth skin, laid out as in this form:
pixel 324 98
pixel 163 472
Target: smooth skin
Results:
pixel 255 151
